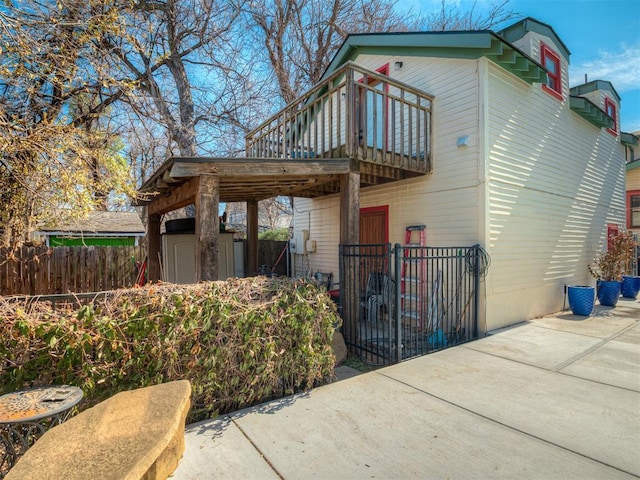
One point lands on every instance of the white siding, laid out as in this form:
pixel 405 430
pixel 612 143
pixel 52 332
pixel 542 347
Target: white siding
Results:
pixel 321 218
pixel 535 187
pixel 554 181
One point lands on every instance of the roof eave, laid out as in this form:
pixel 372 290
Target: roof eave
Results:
pixel 590 112
pixel 628 139
pixel 633 165
pixel 468 44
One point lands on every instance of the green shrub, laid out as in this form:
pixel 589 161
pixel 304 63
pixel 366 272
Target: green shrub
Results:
pixel 239 342
pixel 279 234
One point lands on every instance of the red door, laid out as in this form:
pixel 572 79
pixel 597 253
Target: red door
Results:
pixel 374 231
pixel 374 225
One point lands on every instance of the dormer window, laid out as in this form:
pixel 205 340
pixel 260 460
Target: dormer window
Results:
pixel 551 63
pixel 610 109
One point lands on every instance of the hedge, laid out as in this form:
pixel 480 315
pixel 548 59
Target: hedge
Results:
pixel 238 342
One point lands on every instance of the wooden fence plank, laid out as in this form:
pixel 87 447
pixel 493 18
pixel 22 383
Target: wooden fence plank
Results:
pixel 45 271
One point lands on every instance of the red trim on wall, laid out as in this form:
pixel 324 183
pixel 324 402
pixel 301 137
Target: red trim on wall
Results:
pixel 384 69
pixel 630 193
pixel 546 52
pixel 611 109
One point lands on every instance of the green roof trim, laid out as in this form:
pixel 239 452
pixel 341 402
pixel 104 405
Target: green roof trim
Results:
pixel 593 86
pixel 590 112
pixel 628 139
pixel 633 165
pixel 518 30
pixel 466 45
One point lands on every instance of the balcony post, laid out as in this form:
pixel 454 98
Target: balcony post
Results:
pixel 350 114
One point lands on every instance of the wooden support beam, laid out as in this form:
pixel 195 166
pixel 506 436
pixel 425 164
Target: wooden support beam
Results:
pixel 177 198
pixel 350 235
pixel 252 237
pixel 207 228
pixel 350 208
pixel 153 247
pixel 189 167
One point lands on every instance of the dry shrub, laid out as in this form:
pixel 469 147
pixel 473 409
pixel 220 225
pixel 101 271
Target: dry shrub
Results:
pixel 239 342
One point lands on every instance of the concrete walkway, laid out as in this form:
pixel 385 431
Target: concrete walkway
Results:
pixel 553 398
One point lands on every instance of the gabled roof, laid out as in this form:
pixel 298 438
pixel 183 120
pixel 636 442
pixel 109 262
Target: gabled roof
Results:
pixel 589 110
pixel 518 30
pixel 101 222
pixel 463 44
pixel 593 86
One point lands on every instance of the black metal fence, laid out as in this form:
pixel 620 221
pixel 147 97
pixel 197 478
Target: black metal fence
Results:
pixel 405 301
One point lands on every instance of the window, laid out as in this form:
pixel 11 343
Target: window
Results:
pixel 633 209
pixel 551 62
pixel 610 108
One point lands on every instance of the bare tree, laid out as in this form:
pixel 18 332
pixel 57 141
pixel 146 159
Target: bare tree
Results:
pixel 300 36
pixel 450 17
pixel 181 59
pixel 273 210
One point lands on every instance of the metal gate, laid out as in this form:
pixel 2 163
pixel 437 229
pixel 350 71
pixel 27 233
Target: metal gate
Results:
pixel 401 302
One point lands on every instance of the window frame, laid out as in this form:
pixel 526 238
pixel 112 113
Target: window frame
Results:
pixel 609 103
pixel 630 195
pixel 547 52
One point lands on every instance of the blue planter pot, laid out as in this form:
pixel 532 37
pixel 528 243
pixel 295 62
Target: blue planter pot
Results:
pixel 581 299
pixel 630 286
pixel 608 292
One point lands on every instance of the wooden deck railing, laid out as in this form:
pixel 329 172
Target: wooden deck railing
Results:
pixel 354 113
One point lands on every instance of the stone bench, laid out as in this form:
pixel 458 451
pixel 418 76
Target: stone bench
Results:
pixel 133 435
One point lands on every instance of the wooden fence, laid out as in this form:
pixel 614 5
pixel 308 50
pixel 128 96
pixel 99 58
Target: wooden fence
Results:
pixel 43 271
pixel 270 258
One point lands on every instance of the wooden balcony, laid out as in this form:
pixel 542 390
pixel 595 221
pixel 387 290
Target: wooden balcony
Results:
pixel 355 129
pixel 383 124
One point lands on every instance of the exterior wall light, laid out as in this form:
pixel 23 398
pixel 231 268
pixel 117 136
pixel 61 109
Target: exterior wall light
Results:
pixel 463 141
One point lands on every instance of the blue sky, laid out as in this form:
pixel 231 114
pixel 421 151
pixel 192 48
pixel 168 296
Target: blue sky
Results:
pixel 603 37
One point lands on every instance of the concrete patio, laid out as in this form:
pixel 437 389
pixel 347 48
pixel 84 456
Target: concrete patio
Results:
pixel 553 398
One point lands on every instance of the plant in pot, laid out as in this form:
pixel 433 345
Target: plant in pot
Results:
pixel 609 266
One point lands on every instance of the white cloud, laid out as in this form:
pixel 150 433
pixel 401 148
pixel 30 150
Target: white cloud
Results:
pixel 621 69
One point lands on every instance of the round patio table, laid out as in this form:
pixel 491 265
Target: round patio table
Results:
pixel 26 415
